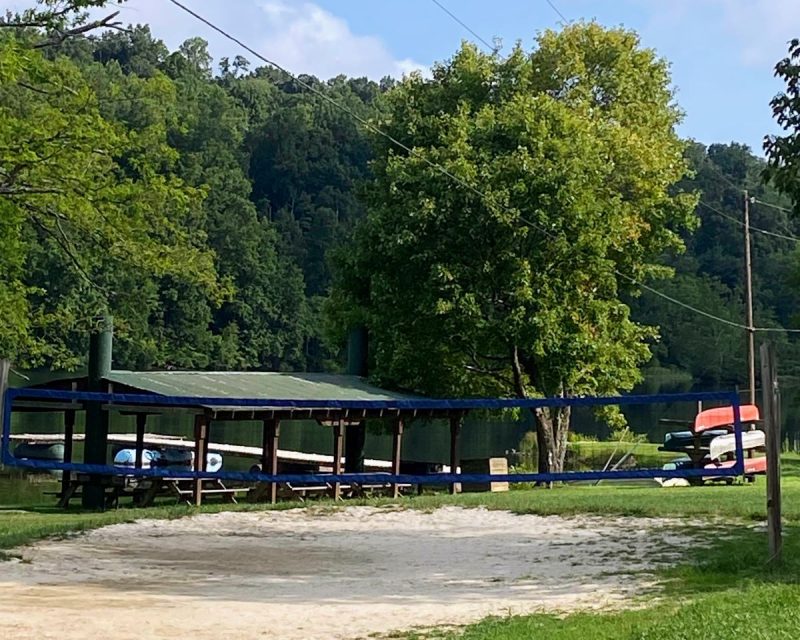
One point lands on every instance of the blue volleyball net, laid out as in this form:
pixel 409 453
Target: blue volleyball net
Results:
pixel 78 400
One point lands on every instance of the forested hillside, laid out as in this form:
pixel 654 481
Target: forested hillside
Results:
pixel 207 223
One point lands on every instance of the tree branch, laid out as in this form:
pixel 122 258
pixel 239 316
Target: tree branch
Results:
pixel 60 36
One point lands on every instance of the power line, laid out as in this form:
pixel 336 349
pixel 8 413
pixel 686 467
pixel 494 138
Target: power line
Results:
pixel 682 304
pixel 555 8
pixel 774 206
pixel 491 48
pixel 363 121
pixel 752 228
pixel 368 125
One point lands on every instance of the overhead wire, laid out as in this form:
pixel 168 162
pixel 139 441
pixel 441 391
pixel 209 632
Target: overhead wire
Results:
pixel 752 228
pixel 434 165
pixel 556 9
pixel 769 204
pixel 492 48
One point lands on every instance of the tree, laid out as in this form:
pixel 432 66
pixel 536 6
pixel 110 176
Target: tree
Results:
pixel 783 152
pixel 85 189
pixel 509 285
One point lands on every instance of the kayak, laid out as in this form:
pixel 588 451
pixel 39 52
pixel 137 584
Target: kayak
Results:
pixel 40 451
pixel 723 417
pixel 680 440
pixel 727 443
pixel 751 465
pixel 171 458
pixel 127 458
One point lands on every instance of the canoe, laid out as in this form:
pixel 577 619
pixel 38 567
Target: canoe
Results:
pixel 727 444
pixel 680 440
pixel 723 417
pixel 751 465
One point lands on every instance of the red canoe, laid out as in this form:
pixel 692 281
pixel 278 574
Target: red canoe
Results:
pixel 723 417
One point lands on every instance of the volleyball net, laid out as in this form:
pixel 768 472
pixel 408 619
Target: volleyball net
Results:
pixel 56 400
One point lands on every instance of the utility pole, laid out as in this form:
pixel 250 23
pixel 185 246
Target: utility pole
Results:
pixel 751 332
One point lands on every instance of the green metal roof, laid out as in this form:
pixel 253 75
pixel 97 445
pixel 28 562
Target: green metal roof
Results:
pixel 264 385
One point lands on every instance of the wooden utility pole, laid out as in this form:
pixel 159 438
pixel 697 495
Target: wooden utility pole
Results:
pixel 771 412
pixel 748 276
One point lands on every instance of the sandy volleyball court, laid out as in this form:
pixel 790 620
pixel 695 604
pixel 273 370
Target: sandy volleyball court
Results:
pixel 311 573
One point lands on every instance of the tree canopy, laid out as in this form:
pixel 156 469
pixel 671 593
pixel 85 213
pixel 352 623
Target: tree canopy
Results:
pixel 498 273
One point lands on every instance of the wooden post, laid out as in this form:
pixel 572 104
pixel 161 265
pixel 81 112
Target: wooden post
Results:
pixel 338 450
pixel 772 421
pixel 69 432
pixel 455 432
pixel 200 450
pixel 269 453
pixel 5 368
pixel 397 446
pixel 141 424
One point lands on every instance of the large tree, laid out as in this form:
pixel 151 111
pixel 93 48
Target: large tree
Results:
pixel 87 194
pixel 503 277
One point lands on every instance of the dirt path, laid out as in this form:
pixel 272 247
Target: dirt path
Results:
pixel 304 574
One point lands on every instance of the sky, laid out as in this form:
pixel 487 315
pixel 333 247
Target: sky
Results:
pixel 722 52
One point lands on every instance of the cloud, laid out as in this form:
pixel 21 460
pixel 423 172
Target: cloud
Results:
pixel 300 36
pixel 763 27
pixel 757 30
pixel 308 39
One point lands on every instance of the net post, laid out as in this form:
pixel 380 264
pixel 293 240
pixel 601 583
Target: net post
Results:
pixel 772 424
pixel 397 445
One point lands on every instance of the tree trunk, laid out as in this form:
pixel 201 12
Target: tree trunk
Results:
pixel 552 426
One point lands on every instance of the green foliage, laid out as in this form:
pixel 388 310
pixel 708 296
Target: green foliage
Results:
pixel 515 291
pixel 710 275
pixel 87 193
pixel 199 210
pixel 783 152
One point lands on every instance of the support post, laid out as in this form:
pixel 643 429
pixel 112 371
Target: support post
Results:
pixel 141 424
pixel 338 450
pixel 200 450
pixel 397 447
pixel 97 419
pixel 5 369
pixel 69 432
pixel 751 333
pixel 771 401
pixel 271 431
pixel 455 458
pixel 354 440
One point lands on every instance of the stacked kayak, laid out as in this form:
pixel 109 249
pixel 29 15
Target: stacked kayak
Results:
pixel 176 459
pixel 711 442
